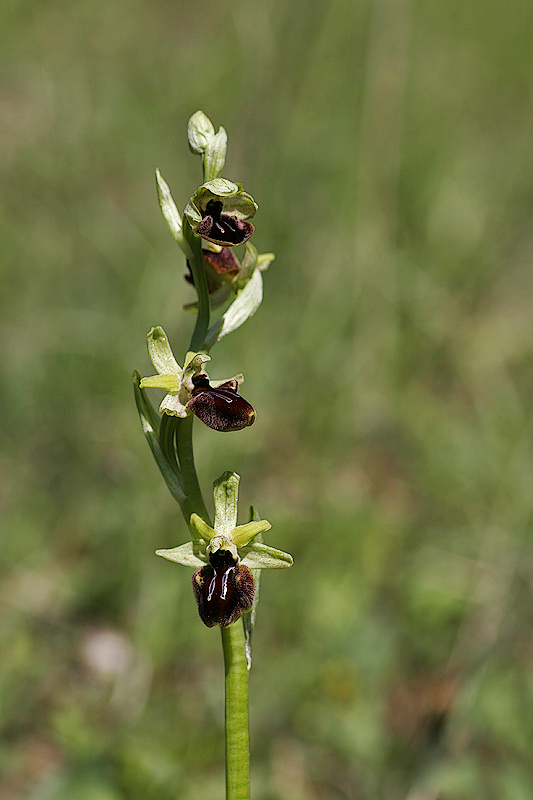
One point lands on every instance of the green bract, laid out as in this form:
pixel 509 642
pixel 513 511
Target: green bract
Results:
pixel 171 214
pixel 226 535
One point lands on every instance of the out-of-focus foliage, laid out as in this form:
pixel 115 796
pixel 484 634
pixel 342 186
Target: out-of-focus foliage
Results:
pixel 388 144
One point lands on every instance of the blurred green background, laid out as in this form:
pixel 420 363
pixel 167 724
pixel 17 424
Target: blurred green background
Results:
pixel 388 144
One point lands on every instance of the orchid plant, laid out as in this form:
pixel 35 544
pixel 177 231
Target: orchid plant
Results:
pixel 227 557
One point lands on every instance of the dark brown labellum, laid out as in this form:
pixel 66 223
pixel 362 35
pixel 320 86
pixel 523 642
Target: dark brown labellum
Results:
pixel 221 228
pixel 223 590
pixel 223 262
pixel 219 267
pixel 220 407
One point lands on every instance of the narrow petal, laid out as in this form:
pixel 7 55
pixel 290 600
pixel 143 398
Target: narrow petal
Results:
pixel 244 534
pixel 200 529
pixel 169 381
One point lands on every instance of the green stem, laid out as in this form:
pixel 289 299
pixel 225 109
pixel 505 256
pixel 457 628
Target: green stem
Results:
pixel 200 284
pixel 233 643
pixel 195 500
pixel 183 431
pixel 237 734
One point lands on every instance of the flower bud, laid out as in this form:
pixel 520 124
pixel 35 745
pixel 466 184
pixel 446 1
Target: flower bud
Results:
pixel 199 131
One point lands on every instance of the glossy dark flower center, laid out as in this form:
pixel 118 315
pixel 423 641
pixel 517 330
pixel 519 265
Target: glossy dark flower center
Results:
pixel 220 407
pixel 223 589
pixel 220 227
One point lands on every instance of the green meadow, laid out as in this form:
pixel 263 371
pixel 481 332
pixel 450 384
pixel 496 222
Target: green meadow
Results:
pixel 389 147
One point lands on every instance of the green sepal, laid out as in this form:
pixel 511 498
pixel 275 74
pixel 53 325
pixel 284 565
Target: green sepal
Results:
pixel 217 188
pixel 160 352
pixel 260 556
pixel 225 496
pixel 151 425
pixel 192 215
pixel 184 554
